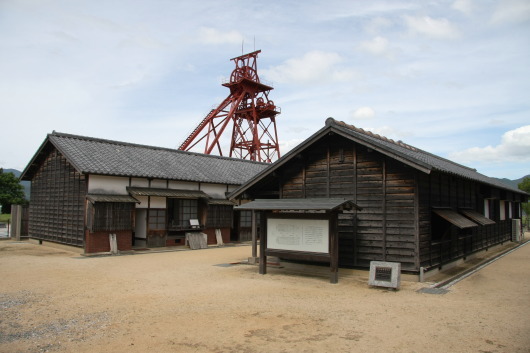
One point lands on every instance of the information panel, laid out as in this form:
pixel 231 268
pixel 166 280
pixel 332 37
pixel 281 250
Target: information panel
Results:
pixel 298 234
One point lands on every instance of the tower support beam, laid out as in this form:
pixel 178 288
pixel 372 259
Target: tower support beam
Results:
pixel 249 110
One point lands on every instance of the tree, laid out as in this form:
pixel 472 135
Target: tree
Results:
pixel 11 191
pixel 525 186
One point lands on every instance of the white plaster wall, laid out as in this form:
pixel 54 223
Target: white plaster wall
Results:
pixel 139 182
pixel 100 184
pixel 143 201
pixel 159 183
pixel 183 185
pixel 232 187
pixel 216 191
pixel 158 202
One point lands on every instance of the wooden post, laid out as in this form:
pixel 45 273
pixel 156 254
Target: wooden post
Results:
pixel 263 246
pixel 334 248
pixel 254 235
pixel 16 222
pixel 254 258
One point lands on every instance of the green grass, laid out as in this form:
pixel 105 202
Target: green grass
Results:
pixel 5 217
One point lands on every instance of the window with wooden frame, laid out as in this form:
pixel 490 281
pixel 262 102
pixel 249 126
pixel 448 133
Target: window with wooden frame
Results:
pixel 245 219
pixel 180 211
pixel 219 216
pixel 110 216
pixel 488 208
pixel 157 219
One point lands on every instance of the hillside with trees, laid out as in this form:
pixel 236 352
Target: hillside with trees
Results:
pixel 11 191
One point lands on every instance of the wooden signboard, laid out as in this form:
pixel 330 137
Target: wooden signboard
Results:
pixel 300 236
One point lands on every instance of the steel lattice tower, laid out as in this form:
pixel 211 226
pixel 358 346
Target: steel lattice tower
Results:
pixel 247 111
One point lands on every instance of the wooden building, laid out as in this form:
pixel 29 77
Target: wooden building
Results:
pixel 414 207
pixel 83 189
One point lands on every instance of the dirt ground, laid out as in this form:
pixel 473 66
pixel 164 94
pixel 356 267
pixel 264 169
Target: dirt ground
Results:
pixel 52 300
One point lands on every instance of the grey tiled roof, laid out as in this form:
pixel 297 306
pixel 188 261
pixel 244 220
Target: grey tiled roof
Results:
pixel 111 198
pixel 106 157
pixel 298 204
pixel 417 156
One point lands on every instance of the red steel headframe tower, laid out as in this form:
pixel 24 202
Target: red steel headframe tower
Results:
pixel 249 111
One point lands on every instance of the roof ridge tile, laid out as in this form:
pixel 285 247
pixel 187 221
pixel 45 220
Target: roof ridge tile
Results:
pixel 121 143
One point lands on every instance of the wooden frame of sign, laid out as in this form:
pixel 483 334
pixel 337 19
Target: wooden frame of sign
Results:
pixel 300 236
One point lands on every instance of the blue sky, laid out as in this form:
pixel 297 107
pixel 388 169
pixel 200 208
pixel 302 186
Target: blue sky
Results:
pixel 450 77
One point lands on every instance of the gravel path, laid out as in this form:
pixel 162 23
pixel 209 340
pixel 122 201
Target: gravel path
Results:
pixel 52 300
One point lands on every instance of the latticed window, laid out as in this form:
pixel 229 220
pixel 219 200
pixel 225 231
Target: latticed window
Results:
pixel 157 219
pixel 219 216
pixel 110 216
pixel 181 211
pixel 245 219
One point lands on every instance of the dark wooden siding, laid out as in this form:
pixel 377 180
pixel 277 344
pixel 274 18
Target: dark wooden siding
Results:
pixel 396 223
pixel 401 214
pixel 56 211
pixel 443 190
pixel 385 230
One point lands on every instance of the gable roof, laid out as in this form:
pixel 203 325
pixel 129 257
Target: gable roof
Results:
pixel 106 157
pixel 419 159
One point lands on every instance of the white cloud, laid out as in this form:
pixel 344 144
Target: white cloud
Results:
pixel 512 11
pixel 363 113
pixel 391 132
pixel 377 24
pixel 210 35
pixel 431 27
pixel 314 66
pixel 287 145
pixel 340 9
pixel 514 147
pixel 377 46
pixel 465 6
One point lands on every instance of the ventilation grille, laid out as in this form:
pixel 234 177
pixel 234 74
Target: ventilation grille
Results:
pixel 385 274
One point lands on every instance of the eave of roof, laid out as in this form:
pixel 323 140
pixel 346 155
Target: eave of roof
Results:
pixel 329 127
pixel 417 157
pixel 26 173
pixel 309 204
pixel 111 198
pixel 192 194
pixel 280 162
pixel 409 155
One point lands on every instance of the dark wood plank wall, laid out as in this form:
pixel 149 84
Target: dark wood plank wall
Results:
pixel 386 229
pixel 401 214
pixel 424 215
pixel 443 190
pixel 57 204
